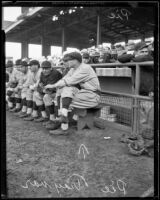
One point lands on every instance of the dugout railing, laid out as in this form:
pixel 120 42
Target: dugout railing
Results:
pixel 130 109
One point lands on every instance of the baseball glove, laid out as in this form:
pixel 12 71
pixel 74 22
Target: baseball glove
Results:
pixel 13 84
pixel 9 93
pixel 134 149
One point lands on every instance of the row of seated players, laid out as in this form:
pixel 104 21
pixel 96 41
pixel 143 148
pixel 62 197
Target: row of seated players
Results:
pixel 46 89
pixel 43 90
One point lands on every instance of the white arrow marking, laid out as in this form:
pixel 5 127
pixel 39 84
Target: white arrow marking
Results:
pixel 84 148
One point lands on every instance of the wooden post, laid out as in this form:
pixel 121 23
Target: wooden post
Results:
pixel 98 30
pixel 24 49
pixel 45 45
pixel 137 78
pixel 143 37
pixel 126 40
pixel 135 103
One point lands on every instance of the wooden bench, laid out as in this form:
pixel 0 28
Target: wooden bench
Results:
pixel 86 116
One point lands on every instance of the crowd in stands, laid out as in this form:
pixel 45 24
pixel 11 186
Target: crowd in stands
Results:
pixel 37 90
pixel 137 52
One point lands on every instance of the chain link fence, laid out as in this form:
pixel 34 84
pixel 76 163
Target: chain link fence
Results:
pixel 117 108
pixel 128 110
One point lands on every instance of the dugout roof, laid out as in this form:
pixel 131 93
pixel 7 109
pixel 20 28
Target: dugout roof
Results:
pixel 117 24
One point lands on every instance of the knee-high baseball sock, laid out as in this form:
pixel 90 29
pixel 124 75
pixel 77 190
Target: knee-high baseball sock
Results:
pixel 24 105
pixel 35 110
pixel 66 101
pixel 18 103
pixel 51 112
pixel 58 107
pixel 58 101
pixel 11 101
pixel 56 111
pixel 42 110
pixel 29 107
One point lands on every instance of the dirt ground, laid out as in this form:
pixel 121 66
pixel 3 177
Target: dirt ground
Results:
pixel 82 164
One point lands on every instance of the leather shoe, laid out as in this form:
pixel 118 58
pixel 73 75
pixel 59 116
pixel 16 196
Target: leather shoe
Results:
pixel 53 126
pixel 30 118
pixel 12 109
pixel 41 119
pixel 18 113
pixel 47 122
pixel 23 115
pixel 15 110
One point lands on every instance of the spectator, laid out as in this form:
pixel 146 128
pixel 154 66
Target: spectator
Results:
pixel 142 53
pixel 95 57
pixel 86 58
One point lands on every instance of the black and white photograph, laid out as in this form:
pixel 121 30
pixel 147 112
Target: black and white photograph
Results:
pixel 79 99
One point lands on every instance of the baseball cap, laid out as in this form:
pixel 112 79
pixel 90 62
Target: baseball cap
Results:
pixel 46 64
pixel 73 55
pixel 18 62
pixel 9 64
pixel 24 63
pixel 85 55
pixel 34 62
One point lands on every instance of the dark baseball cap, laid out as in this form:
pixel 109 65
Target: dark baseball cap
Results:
pixel 85 55
pixel 18 62
pixel 72 56
pixel 34 62
pixel 9 64
pixel 24 63
pixel 46 64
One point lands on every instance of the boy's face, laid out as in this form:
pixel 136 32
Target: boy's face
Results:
pixel 46 70
pixel 85 60
pixel 34 68
pixel 24 69
pixel 18 67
